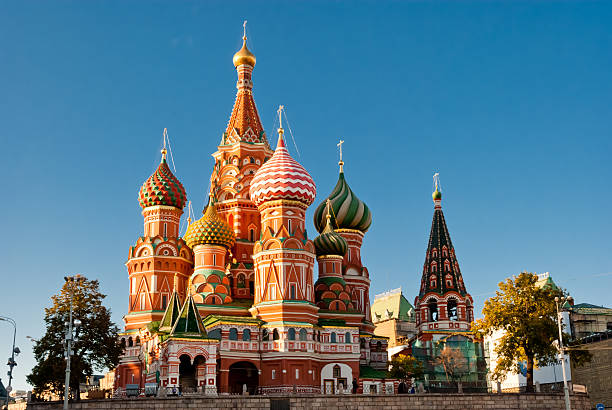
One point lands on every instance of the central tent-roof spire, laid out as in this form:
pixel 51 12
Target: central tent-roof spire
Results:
pixel 244 124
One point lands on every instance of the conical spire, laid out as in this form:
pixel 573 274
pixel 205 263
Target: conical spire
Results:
pixel 189 321
pixel 441 271
pixel 244 124
pixel 172 310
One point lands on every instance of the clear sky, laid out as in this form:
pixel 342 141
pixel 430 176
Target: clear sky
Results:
pixel 509 101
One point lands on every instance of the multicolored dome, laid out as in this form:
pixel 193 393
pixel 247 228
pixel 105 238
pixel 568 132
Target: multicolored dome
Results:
pixel 330 242
pixel 162 188
pixel 348 211
pixel 210 229
pixel 282 177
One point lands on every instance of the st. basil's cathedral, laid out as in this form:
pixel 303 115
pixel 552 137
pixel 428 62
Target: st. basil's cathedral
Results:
pixel 234 304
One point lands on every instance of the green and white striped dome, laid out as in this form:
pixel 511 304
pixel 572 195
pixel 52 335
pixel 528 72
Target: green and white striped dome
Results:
pixel 348 211
pixel 330 242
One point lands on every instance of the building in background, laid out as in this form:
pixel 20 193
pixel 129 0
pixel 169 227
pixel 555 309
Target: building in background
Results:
pixel 587 319
pixel 444 313
pixel 394 318
pixel 597 374
pixel 233 304
pixel 548 378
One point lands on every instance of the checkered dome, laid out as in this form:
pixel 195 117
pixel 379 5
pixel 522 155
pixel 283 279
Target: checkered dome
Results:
pixel 210 229
pixel 162 188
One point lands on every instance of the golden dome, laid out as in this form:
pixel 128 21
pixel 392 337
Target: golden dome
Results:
pixel 244 56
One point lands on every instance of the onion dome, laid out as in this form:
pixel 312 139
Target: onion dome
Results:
pixel 244 56
pixel 210 229
pixel 162 188
pixel 348 211
pixel 282 177
pixel 330 242
pixel 437 195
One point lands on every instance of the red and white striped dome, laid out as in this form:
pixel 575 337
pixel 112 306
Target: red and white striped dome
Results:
pixel 282 177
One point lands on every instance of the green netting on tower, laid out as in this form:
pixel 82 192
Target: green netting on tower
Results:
pixel 450 362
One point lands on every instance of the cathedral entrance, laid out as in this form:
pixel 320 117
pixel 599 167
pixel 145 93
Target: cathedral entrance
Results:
pixel 241 374
pixel 187 375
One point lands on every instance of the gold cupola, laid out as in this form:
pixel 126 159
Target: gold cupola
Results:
pixel 244 56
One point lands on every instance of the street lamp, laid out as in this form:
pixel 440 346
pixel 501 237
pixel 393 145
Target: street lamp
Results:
pixel 70 281
pixel 561 353
pixel 11 360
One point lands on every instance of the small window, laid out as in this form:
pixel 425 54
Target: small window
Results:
pixel 333 337
pixel 246 335
pixel 273 374
pixel 293 292
pixel 251 235
pixel 337 372
pixel 347 337
pixel 164 301
pixel 303 335
pixel 291 333
pixel 275 335
pixel 289 226
pixel 297 374
pixel 265 335
pixel 214 259
pixel 130 342
pixel 233 334
pixel 165 230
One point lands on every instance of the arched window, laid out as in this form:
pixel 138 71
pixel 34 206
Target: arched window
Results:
pixel 275 335
pixel 452 309
pixel 449 281
pixel 246 335
pixel 130 342
pixel 303 335
pixel 291 333
pixel 233 334
pixel 252 235
pixel 289 225
pixel 333 337
pixel 434 267
pixel 379 346
pixel 336 371
pixel 347 337
pixel 123 342
pixel 444 251
pixel 265 335
pixel 446 266
pixel 215 334
pixel 433 310
pixel 434 253
pixel 240 280
pixel 432 281
pixel 137 340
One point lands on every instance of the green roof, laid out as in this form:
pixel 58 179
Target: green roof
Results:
pixel 332 322
pixel 172 312
pixel 392 305
pixel 189 322
pixel 588 309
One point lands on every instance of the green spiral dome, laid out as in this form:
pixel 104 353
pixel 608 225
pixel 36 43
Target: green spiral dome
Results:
pixel 348 211
pixel 330 242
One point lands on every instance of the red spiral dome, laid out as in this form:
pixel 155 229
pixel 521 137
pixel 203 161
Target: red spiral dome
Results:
pixel 282 177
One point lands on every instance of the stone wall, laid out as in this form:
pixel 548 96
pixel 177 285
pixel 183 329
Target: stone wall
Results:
pixel 348 402
pixel 597 374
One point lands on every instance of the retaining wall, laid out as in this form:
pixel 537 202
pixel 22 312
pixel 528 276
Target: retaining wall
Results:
pixel 346 402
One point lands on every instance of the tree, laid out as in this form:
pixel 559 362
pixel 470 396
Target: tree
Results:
pixel 404 367
pixel 526 313
pixel 453 362
pixel 95 347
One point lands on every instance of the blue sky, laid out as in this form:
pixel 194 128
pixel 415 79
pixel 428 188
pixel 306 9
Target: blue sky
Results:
pixel 509 101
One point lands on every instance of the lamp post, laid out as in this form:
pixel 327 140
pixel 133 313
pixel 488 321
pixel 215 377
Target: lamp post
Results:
pixel 70 280
pixel 561 354
pixel 11 361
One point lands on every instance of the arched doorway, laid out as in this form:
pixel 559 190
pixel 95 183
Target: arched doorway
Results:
pixel 187 374
pixel 242 373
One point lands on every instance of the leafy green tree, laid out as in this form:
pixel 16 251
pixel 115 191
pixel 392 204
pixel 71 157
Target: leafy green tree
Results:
pixel 96 345
pixel 526 313
pixel 404 367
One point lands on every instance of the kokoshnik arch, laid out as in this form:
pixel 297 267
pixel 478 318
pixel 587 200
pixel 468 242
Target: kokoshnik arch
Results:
pixel 235 302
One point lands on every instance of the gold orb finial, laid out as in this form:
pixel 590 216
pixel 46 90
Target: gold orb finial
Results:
pixel 244 56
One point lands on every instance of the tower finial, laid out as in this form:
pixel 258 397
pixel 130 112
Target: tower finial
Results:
pixel 328 216
pixel 244 30
pixel 341 163
pixel 437 195
pixel 164 151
